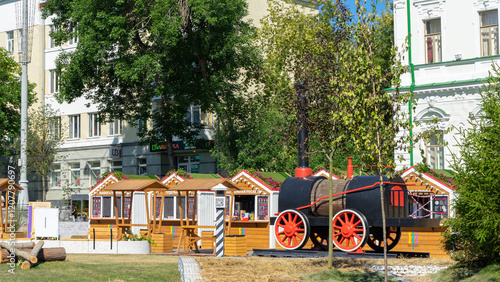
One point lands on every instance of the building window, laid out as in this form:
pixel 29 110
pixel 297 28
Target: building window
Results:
pixel 193 115
pixel 142 166
pixel 95 172
pixel 52 42
pixel 435 150
pixel 190 164
pixel 115 127
pixel 74 39
pixel 74 126
pixel 10 41
pixel 55 175
pixel 433 41
pixel 54 81
pixel 55 128
pixel 116 166
pixel 140 126
pixel 74 174
pixel 489 33
pixel 94 126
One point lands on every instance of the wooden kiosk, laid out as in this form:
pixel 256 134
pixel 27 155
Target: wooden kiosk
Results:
pixel 431 198
pixel 8 190
pixel 136 185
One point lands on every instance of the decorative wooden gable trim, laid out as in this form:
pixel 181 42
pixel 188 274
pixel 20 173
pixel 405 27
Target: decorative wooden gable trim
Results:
pixel 425 182
pixel 97 190
pixel 325 174
pixel 250 184
pixel 172 180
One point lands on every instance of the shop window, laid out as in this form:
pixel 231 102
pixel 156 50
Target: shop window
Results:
pixel 126 212
pixel 244 207
pixel 262 207
pixel 74 126
pixel 95 172
pixel 433 41
pixel 10 41
pixel 191 164
pixel 489 33
pixel 96 207
pixel 94 125
pixel 106 207
pixel 142 166
pixel 183 206
pixel 118 206
pixel 55 175
pixel 168 208
pixel 429 205
pixel 116 166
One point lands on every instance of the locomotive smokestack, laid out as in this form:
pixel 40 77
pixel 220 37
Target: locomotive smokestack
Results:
pixel 303 169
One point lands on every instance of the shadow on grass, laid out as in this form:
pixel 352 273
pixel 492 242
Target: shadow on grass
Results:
pixel 336 275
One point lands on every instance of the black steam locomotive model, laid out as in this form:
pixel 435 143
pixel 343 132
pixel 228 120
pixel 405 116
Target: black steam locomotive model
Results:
pixel 303 213
pixel 303 206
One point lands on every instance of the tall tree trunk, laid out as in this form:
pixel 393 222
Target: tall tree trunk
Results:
pixel 172 164
pixel 44 188
pixel 330 210
pixel 381 180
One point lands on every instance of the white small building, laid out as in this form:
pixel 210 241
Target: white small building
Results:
pixel 453 45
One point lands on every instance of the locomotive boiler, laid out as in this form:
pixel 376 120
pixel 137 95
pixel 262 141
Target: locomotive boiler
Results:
pixel 303 207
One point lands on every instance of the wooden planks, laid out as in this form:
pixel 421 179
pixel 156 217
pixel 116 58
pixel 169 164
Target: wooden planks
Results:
pixel 162 243
pixel 235 246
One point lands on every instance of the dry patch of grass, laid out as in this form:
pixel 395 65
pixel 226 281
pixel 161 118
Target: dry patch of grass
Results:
pixel 290 269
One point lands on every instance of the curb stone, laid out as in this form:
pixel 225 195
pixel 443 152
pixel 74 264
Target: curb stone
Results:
pixel 189 269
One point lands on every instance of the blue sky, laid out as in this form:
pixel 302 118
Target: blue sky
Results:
pixel 352 6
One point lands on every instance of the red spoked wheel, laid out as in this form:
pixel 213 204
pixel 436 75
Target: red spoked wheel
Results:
pixel 376 241
pixel 291 229
pixel 350 230
pixel 319 238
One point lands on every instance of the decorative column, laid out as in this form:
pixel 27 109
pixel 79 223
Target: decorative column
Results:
pixel 220 204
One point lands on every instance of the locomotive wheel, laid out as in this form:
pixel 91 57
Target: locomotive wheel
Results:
pixel 320 239
pixel 291 229
pixel 350 230
pixel 376 241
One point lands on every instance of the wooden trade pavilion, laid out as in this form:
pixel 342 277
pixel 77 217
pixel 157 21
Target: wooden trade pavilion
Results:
pixel 189 237
pixel 131 186
pixel 7 186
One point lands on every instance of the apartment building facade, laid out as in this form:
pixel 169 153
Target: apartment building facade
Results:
pixel 453 46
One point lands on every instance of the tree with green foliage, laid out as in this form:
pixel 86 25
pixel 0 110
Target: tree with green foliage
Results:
pixel 44 140
pixel 10 101
pixel 474 230
pixel 150 60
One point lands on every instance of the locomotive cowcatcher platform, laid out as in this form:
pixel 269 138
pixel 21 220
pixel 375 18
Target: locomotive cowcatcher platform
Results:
pixel 309 253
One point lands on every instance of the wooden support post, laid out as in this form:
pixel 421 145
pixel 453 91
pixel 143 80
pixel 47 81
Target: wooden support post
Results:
pixel 123 207
pixel 1 213
pixel 161 209
pixel 231 202
pixel 153 213
pixel 148 211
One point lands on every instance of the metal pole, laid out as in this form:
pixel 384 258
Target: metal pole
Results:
pixel 23 194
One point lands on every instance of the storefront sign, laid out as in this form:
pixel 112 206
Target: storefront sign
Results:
pixel 220 202
pixel 181 145
pixel 114 152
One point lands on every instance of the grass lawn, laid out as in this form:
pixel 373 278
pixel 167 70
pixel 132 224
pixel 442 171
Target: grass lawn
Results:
pixel 462 273
pixel 80 267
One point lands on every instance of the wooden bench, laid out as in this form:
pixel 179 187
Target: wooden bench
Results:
pixel 102 232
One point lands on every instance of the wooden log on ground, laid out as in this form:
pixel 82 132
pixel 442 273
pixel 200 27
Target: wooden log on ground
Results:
pixel 35 251
pixel 50 254
pixel 23 254
pixel 26 265
pixel 4 256
pixel 26 245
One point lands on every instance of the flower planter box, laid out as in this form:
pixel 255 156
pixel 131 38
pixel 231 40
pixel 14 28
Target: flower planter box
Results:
pixel 162 243
pixel 235 245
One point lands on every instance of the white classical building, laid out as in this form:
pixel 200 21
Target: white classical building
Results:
pixel 453 45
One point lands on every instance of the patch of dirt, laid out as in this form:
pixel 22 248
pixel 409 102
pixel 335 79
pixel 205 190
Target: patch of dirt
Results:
pixel 291 269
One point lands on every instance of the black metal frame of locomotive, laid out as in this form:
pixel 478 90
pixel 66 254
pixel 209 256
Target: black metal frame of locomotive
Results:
pixel 303 205
pixel 303 213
